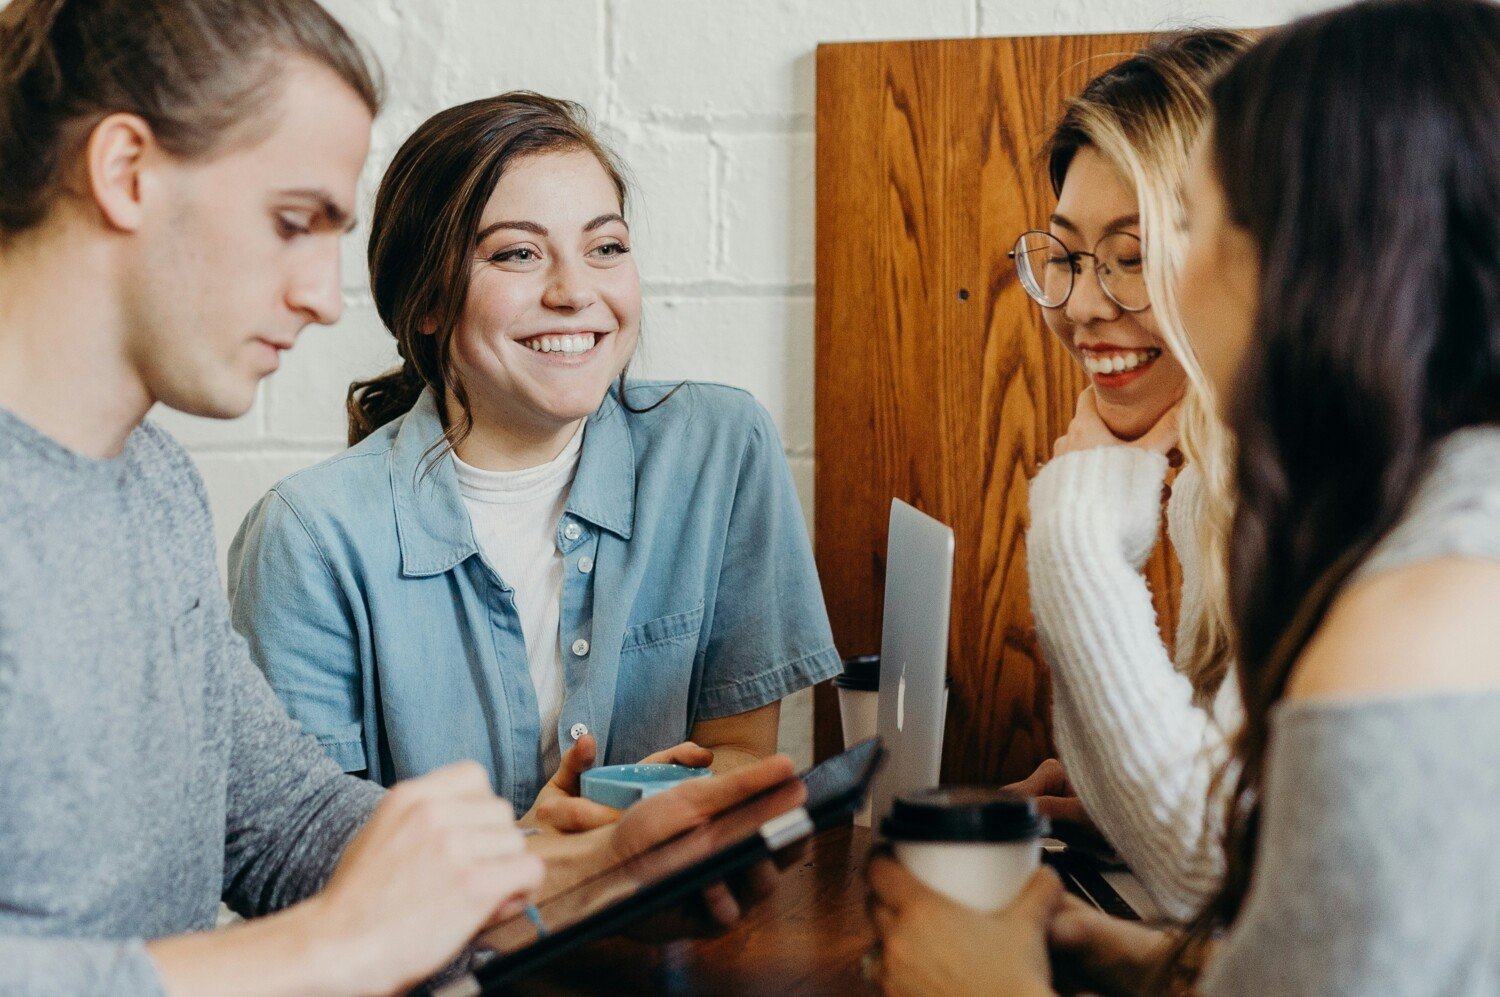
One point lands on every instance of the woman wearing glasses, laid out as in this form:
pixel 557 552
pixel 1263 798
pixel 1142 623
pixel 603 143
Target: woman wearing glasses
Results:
pixel 1141 735
pixel 1363 392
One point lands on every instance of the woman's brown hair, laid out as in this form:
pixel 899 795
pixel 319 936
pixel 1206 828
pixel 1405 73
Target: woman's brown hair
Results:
pixel 1360 150
pixel 423 234
pixel 199 72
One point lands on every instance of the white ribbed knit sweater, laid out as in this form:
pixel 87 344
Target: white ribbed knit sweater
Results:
pixel 1139 753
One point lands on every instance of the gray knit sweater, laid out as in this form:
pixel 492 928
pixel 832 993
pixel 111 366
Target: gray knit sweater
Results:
pixel 146 769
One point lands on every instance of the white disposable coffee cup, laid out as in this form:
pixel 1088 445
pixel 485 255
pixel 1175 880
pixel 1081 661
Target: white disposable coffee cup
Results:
pixel 976 846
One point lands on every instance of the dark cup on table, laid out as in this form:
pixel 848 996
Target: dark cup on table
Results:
pixel 859 702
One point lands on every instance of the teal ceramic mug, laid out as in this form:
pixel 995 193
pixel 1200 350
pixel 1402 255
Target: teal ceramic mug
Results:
pixel 619 786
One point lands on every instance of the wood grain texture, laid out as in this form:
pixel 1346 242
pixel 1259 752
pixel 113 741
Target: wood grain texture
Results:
pixel 936 381
pixel 807 937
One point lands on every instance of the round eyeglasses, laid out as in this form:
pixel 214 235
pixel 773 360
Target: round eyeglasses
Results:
pixel 1049 270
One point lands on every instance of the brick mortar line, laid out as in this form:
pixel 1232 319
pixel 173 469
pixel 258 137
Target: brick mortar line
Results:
pixel 794 123
pixel 609 52
pixel 718 187
pixel 718 290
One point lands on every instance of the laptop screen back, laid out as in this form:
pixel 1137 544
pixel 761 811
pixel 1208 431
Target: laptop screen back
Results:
pixel 913 655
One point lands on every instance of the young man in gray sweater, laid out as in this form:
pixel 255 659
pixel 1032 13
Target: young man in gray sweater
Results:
pixel 175 176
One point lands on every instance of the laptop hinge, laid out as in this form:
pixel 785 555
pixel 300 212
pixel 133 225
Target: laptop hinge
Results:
pixel 794 825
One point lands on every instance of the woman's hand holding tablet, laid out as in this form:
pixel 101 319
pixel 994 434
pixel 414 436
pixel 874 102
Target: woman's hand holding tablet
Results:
pixel 573 859
pixel 686 862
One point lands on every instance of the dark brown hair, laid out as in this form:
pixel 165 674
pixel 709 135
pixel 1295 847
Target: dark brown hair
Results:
pixel 424 229
pixel 197 71
pixel 1360 150
pixel 1160 83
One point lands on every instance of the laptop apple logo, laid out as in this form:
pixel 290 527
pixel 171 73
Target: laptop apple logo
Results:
pixel 901 700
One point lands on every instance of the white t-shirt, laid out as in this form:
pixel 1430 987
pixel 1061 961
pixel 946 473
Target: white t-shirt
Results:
pixel 515 516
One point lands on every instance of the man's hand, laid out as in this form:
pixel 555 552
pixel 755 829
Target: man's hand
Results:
pixel 440 859
pixel 559 807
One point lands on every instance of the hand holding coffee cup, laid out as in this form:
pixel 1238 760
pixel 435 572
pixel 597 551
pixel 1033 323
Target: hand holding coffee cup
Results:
pixel 974 845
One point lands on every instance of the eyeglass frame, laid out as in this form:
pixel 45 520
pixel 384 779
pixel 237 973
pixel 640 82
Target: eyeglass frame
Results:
pixel 1075 270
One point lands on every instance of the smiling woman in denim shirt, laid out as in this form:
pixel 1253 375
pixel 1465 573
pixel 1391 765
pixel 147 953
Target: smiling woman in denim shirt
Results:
pixel 524 558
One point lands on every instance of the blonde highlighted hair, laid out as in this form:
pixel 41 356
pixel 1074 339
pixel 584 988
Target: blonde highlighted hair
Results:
pixel 1143 116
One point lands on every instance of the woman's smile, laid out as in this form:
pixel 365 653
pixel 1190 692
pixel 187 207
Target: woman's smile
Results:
pixel 1114 367
pixel 563 348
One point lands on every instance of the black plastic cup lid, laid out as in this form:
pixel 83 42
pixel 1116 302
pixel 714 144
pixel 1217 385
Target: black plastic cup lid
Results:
pixel 862 674
pixel 964 813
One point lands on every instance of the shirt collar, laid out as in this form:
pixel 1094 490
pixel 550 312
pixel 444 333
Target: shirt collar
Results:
pixel 604 489
pixel 434 527
pixel 431 521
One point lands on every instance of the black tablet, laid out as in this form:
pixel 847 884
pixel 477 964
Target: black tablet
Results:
pixel 609 902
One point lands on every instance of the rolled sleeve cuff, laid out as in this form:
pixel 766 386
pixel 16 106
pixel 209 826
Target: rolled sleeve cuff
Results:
pixel 346 746
pixel 770 685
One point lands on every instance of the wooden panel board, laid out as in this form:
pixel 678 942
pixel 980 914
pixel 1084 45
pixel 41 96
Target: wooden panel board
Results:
pixel 936 381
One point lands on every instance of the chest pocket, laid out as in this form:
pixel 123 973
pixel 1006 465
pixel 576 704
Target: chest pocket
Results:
pixel 657 679
pixel 672 638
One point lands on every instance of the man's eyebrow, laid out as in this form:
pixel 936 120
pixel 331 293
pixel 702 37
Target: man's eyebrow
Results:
pixel 613 216
pixel 523 226
pixel 337 215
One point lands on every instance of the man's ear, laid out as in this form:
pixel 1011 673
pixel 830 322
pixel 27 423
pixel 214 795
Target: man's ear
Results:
pixel 115 156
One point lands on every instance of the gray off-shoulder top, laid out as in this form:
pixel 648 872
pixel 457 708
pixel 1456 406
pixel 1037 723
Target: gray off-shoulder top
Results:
pixel 1378 871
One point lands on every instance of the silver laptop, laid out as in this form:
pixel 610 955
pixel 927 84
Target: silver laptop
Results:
pixel 913 655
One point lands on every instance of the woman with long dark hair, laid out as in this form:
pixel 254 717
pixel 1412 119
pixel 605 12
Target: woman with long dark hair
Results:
pixel 1343 288
pixel 526 558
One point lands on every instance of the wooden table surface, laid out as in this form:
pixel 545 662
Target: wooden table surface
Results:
pixel 806 938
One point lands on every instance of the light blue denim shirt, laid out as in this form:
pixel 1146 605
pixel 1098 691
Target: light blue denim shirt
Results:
pixel 366 599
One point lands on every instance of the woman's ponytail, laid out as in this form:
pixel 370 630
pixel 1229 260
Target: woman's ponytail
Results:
pixel 381 399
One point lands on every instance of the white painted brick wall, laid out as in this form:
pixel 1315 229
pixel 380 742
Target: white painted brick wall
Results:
pixel 711 104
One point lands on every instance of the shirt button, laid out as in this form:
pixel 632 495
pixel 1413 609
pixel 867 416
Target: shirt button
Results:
pixel 585 564
pixel 572 531
pixel 580 647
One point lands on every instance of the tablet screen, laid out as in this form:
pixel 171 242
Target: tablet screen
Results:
pixel 730 841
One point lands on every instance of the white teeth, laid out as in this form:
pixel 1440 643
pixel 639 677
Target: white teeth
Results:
pixel 1116 363
pixel 571 345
